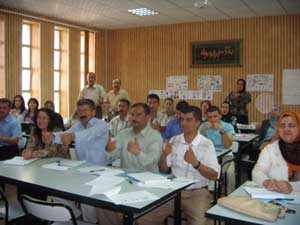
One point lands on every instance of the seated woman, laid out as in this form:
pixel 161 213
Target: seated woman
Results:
pixel 278 166
pixel 205 104
pixel 33 106
pixel 227 116
pixel 18 109
pixel 36 148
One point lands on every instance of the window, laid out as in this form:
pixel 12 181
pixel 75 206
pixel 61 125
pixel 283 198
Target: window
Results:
pixel 2 62
pixel 26 61
pixel 57 68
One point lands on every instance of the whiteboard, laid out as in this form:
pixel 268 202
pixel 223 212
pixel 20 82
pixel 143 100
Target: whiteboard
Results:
pixel 291 87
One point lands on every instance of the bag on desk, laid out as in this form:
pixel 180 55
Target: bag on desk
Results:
pixel 253 207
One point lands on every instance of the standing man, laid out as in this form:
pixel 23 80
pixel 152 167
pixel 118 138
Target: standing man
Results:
pixel 10 131
pixel 92 91
pixel 116 94
pixel 192 156
pixel 120 122
pixel 218 131
pixel 157 119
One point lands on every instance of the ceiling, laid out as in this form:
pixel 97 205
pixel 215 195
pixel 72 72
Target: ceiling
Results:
pixel 112 14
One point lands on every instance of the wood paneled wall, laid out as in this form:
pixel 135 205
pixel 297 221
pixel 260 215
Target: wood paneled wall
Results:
pixel 2 57
pixel 144 57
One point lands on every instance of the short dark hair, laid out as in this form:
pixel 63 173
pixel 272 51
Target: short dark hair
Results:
pixel 195 110
pixel 214 108
pixel 169 99
pixel 182 105
pixel 5 101
pixel 86 101
pixel 126 101
pixel 143 105
pixel 155 96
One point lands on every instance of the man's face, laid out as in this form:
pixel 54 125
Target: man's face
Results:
pixel 123 108
pixel 168 105
pixel 213 117
pixel 188 123
pixel 116 84
pixel 139 119
pixel 153 104
pixel 85 113
pixel 4 110
pixel 91 77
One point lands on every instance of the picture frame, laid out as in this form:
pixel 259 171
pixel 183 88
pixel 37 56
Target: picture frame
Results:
pixel 216 53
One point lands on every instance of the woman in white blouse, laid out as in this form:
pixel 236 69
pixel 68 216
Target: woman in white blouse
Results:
pixel 278 166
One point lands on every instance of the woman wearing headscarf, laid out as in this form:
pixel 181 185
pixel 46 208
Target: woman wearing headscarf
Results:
pixel 227 116
pixel 238 100
pixel 278 166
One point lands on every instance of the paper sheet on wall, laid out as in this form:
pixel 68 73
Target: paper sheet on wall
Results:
pixel 260 82
pixel 201 95
pixel 290 87
pixel 211 83
pixel 161 93
pixel 177 83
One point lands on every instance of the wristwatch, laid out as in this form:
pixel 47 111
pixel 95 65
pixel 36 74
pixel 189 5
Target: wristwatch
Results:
pixel 198 165
pixel 222 132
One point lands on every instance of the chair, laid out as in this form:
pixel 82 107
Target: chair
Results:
pixel 10 209
pixel 223 178
pixel 58 213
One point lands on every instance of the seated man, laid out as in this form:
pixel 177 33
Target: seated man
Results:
pixel 173 127
pixel 193 156
pixel 10 131
pixel 218 131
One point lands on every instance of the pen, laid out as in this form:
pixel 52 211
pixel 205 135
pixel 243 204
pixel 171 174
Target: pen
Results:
pixel 59 163
pixel 130 181
pixel 92 171
pixel 284 199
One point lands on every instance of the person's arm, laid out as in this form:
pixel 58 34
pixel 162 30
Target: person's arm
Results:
pixel 163 165
pixel 245 97
pixel 9 140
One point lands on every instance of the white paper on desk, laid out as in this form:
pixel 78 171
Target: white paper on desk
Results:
pixel 148 177
pixel 105 190
pixel 176 183
pixel 19 161
pixel 101 170
pixel 259 192
pixel 133 197
pixel 55 166
pixel 106 181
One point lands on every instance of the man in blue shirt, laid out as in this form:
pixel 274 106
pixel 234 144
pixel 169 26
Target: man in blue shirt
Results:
pixel 10 131
pixel 218 131
pixel 90 135
pixel 173 127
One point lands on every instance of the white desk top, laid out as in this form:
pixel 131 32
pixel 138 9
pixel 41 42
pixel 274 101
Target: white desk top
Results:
pixel 224 214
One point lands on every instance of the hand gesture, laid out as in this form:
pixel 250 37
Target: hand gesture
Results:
pixel 209 125
pixel 278 186
pixel 133 147
pixel 47 137
pixel 218 126
pixel 168 148
pixel 111 144
pixel 27 154
pixel 190 157
pixel 67 138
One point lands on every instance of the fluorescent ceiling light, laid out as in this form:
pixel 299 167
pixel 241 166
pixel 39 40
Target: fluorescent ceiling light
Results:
pixel 142 12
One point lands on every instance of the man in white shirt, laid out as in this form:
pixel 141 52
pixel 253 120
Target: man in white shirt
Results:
pixel 157 119
pixel 189 155
pixel 120 122
pixel 92 91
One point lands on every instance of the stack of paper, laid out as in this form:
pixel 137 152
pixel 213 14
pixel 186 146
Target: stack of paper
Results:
pixel 19 161
pixel 148 177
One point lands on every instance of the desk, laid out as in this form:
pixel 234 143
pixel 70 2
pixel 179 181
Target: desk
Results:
pixel 70 184
pixel 229 216
pixel 246 128
pixel 244 141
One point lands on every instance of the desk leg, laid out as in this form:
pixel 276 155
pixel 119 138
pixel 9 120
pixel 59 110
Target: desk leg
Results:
pixel 177 209
pixel 128 219
pixel 237 170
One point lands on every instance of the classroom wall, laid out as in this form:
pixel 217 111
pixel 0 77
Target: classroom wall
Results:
pixel 144 57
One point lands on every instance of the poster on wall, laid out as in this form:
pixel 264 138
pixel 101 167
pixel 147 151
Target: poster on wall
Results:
pixel 200 95
pixel 161 93
pixel 260 82
pixel 177 83
pixel 290 87
pixel 210 83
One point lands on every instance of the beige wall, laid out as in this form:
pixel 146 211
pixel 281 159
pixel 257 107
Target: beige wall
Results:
pixel 144 57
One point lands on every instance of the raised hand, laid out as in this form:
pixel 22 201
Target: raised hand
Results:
pixel 134 147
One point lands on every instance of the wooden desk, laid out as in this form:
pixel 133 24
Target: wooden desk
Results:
pixel 70 184
pixel 218 212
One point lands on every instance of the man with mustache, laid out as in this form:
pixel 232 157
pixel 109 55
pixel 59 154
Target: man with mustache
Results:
pixel 116 94
pixel 120 122
pixel 90 135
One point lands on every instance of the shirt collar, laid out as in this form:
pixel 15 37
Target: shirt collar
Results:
pixel 195 142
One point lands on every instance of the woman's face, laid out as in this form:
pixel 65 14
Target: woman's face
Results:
pixel 225 109
pixel 288 131
pixel 18 102
pixel 32 105
pixel 240 85
pixel 42 120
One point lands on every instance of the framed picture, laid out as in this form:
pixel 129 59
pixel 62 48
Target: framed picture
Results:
pixel 216 53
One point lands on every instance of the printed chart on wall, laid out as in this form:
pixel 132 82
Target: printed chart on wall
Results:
pixel 290 87
pixel 260 82
pixel 210 83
